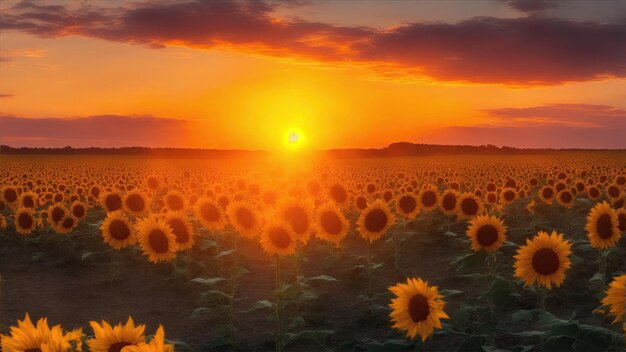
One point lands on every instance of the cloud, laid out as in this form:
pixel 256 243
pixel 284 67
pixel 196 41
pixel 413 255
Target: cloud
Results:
pixel 522 51
pixel 533 5
pixel 545 126
pixel 6 95
pixel 94 131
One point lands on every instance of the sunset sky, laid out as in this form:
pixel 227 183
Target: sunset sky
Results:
pixel 340 74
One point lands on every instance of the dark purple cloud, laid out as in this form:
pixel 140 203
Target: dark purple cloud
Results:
pixel 94 131
pixel 533 5
pixel 519 51
pixel 546 126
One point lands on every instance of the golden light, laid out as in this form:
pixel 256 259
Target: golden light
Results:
pixel 293 139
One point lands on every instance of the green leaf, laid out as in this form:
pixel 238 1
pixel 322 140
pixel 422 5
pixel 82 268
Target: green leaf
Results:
pixel 238 271
pixel 289 291
pixel 319 336
pixel 215 295
pixel 520 316
pixel 473 343
pixel 87 256
pixel 264 304
pixel 208 281
pixel 558 344
pixel 224 253
pixel 391 345
pixel 296 322
pixel 320 278
pixel 207 244
pixel 500 291
pixel 592 340
pixel 199 312
pixel 597 282
pixel 566 329
pixel 450 293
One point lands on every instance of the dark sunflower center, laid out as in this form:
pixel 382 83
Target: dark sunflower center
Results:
pixel 180 230
pixel 119 230
pixel 135 203
pixel 280 237
pixel 509 196
pixel 10 195
pixel 429 198
pixel 57 214
pixel 407 204
pixel 487 235
pixel 361 203
pixel 68 223
pixel 469 206
pixel 376 220
pixel 449 201
pixel 545 261
pixel 338 193
pixel 331 223
pixel 78 211
pixel 28 202
pixel 297 218
pixel 547 193
pixel 113 202
pixel 566 197
pixel 613 192
pixel 117 347
pixel 604 227
pixel 419 308
pixel 153 183
pixel 175 203
pixel 25 221
pixel 158 241
pixel 245 218
pixel 209 212
pixel 594 192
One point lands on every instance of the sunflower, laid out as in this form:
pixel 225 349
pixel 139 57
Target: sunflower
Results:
pixel 297 213
pixel 546 194
pixel 26 337
pixel 9 195
pixel 565 198
pixel 616 298
pixel 508 196
pixel 28 200
pixel 244 218
pixel 25 221
pixel 67 224
pixel 153 182
pixel 543 260
pixel 338 194
pixel 448 201
pixel 330 223
pixel 56 213
pixel 78 209
pixel 157 344
pixel 417 308
pixel 135 202
pixel 156 239
pixel 603 226
pixel 278 238
pixel 614 191
pixel 407 206
pixel 181 227
pixel 428 198
pixel 175 201
pixel 375 220
pixel 117 231
pixel 210 214
pixel 486 233
pixel 469 206
pixel 111 201
pixel 108 338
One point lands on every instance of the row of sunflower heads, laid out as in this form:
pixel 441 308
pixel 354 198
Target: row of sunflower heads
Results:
pixel 40 337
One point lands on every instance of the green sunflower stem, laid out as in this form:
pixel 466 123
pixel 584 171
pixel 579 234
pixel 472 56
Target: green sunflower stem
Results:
pixel 543 295
pixel 280 330
pixel 369 267
pixel 396 248
pixel 602 264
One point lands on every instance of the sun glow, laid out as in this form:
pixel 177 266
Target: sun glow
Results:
pixel 293 139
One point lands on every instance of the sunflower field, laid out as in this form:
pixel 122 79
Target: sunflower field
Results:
pixel 449 253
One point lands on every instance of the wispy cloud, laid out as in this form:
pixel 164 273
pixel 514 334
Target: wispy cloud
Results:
pixel 94 131
pixel 532 50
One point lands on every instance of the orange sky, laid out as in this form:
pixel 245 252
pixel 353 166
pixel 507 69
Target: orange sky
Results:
pixel 366 88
